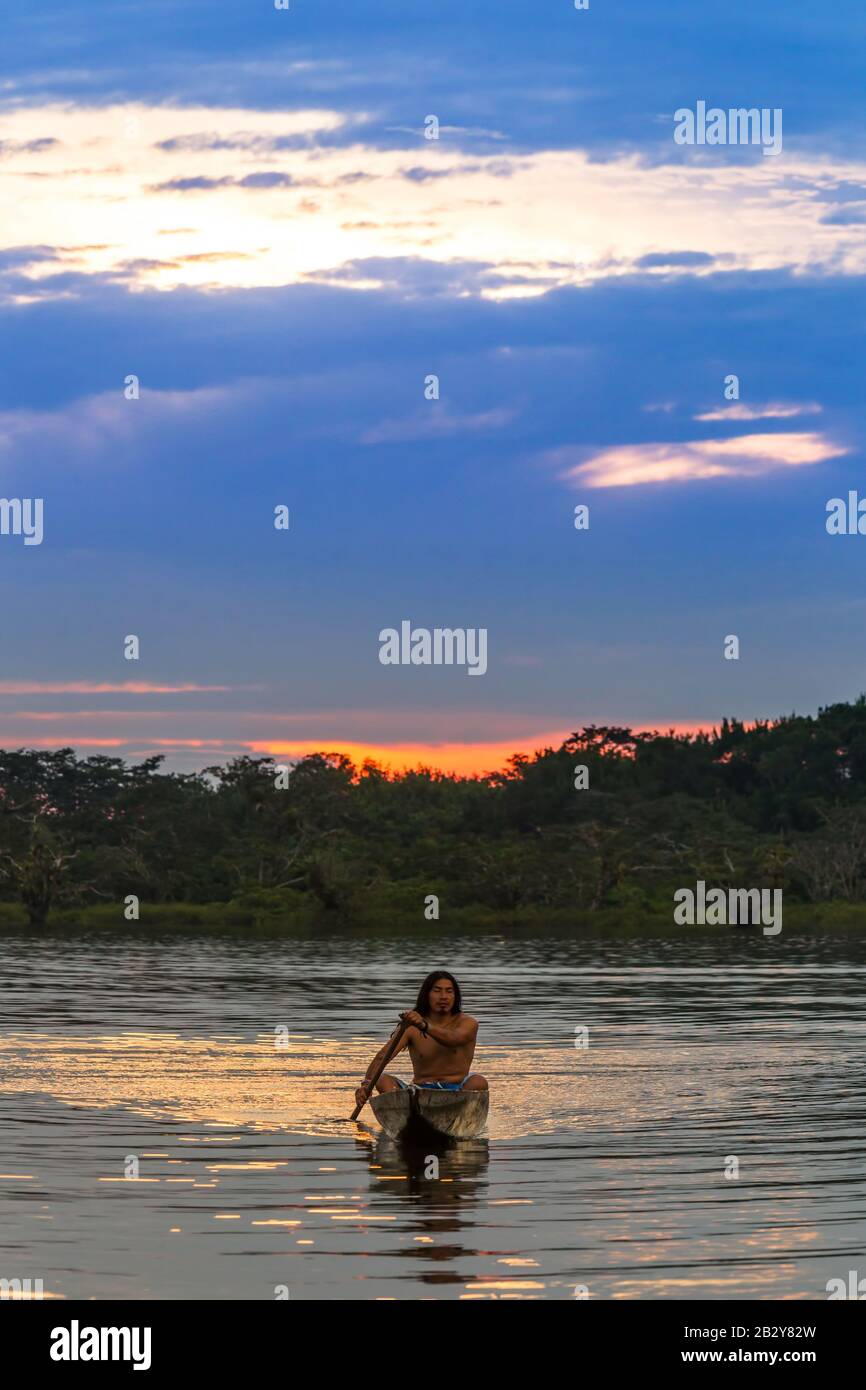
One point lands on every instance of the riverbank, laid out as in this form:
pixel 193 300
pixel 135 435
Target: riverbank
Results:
pixel 237 917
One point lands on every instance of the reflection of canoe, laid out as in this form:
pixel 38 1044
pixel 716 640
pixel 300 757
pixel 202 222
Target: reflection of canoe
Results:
pixel 443 1114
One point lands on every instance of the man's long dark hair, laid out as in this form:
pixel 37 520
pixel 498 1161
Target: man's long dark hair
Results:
pixel 423 1003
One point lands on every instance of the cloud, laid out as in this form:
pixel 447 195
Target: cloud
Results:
pixel 496 167
pixel 749 456
pixel 264 179
pixel 419 174
pixel 673 258
pixel 258 145
pixel 133 268
pixel 18 257
pixel 482 132
pixel 25 687
pixel 117 495
pixel 845 217
pixel 217 256
pixel 411 276
pixel 100 432
pixel 563 216
pixel 195 184
pixel 270 179
pixel 844 192
pixel 10 147
pixel 778 410
pixel 435 423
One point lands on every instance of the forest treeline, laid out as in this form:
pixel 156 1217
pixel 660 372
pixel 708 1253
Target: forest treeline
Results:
pixel 778 804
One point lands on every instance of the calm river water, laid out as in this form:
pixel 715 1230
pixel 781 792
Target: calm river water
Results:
pixel 220 1069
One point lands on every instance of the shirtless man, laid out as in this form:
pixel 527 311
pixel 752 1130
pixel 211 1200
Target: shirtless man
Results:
pixel 440 1039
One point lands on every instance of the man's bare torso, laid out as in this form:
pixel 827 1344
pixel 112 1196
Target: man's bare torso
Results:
pixel 431 1061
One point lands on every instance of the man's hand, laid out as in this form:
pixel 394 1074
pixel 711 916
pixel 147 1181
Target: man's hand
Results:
pixel 410 1016
pixel 362 1095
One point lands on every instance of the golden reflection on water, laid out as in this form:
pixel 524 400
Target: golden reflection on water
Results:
pixel 631 1218
pixel 307 1087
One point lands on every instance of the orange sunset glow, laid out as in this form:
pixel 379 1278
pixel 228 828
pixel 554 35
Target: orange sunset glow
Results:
pixel 472 758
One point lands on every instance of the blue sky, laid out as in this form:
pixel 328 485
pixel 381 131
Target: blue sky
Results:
pixel 238 205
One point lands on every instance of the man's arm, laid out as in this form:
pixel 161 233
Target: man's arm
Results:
pixel 457 1034
pixel 373 1067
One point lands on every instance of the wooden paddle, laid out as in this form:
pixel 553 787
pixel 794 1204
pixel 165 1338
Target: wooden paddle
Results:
pixel 395 1038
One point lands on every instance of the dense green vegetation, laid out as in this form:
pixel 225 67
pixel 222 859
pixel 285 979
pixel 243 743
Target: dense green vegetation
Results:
pixel 781 804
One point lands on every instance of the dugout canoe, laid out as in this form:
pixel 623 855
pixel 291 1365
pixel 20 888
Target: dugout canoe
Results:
pixel 412 1114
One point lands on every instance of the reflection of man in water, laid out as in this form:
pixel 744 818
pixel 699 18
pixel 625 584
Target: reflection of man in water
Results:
pixel 440 1039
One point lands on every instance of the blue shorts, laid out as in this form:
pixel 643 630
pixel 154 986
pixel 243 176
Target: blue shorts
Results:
pixel 433 1085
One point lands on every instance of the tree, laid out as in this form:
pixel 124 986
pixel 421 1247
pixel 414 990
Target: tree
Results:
pixel 38 871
